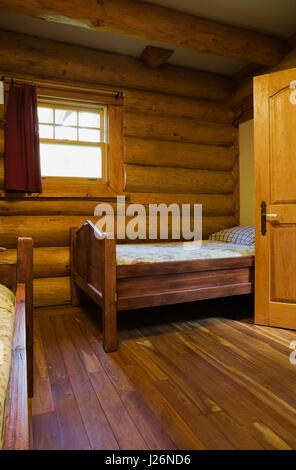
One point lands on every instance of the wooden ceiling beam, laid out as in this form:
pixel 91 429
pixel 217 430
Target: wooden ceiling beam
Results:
pixel 248 71
pixel 242 99
pixel 253 69
pixel 152 22
pixel 154 57
pixel 42 58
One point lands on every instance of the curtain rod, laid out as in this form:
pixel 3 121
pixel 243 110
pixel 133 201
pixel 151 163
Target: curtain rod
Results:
pixel 14 80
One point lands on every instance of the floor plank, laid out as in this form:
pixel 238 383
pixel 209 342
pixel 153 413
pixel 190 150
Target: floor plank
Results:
pixel 114 367
pixel 94 419
pixel 72 431
pixel 125 430
pixel 46 432
pixel 193 376
pixel 43 402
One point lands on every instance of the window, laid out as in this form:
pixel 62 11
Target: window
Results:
pixel 73 141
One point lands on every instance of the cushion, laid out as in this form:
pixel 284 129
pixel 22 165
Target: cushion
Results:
pixel 240 235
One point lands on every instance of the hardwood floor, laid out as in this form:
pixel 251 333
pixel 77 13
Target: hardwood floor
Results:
pixel 192 376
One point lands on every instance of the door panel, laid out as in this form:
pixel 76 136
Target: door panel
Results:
pixel 282 147
pixel 282 264
pixel 275 183
pixel 282 315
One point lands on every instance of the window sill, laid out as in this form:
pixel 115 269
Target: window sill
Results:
pixel 82 190
pixel 33 197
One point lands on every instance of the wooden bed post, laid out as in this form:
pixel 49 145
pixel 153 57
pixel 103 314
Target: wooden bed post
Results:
pixel 75 290
pixel 25 276
pixel 110 296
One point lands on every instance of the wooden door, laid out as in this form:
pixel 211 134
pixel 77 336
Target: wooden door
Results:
pixel 275 184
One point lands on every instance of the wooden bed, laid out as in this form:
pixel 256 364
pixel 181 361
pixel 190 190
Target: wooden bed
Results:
pixel 19 278
pixel 123 287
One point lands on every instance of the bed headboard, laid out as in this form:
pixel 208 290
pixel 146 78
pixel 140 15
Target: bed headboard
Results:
pixel 8 275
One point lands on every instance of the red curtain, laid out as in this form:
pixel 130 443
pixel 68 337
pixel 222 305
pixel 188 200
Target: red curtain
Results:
pixel 22 151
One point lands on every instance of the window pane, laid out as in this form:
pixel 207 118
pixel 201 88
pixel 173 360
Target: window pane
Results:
pixel 65 133
pixel 66 117
pixel 45 115
pixel 89 119
pixel 71 160
pixel 89 135
pixel 45 132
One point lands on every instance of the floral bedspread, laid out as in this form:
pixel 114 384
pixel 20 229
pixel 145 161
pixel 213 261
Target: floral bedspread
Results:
pixel 7 301
pixel 161 252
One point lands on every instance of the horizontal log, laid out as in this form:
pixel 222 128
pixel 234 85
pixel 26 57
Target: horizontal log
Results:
pixel 178 130
pixel 244 112
pixel 287 62
pixel 211 225
pixel 178 154
pixel 48 261
pixel 169 180
pixel 54 231
pixel 243 92
pixel 27 206
pixel 45 230
pixel 173 106
pixel 250 70
pixel 51 291
pixel 46 59
pixel 212 204
pixel 156 23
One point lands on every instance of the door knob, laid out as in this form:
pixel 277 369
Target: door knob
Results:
pixel 271 215
pixel 263 217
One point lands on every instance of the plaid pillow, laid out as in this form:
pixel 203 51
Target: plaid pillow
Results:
pixel 241 235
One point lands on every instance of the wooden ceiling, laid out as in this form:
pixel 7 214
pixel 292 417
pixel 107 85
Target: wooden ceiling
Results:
pixel 148 21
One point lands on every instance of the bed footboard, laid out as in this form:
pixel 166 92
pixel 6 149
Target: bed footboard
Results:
pixel 93 271
pixel 19 277
pixel 16 430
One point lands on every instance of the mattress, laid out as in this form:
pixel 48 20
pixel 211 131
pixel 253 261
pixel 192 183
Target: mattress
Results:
pixel 7 303
pixel 163 252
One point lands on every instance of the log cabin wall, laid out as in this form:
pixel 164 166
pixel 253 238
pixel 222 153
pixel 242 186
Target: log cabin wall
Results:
pixel 179 145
